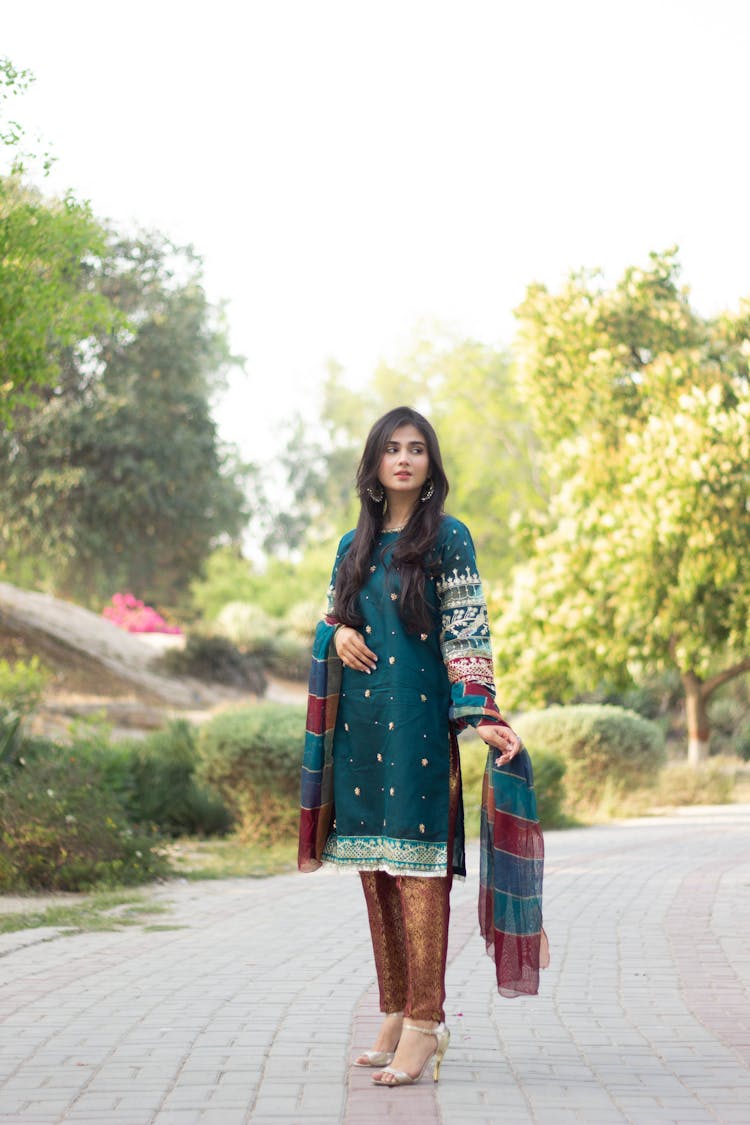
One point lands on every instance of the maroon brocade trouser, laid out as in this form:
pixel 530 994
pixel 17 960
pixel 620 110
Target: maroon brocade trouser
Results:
pixel 409 928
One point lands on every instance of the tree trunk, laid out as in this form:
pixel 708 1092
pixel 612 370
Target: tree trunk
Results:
pixel 697 694
pixel 699 730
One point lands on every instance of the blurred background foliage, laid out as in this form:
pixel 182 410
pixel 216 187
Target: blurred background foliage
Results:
pixel 602 462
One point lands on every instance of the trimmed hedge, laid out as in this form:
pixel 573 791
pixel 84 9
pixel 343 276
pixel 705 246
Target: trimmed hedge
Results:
pixel 605 749
pixel 252 757
pixel 549 786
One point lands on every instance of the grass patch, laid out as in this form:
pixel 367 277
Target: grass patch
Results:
pixel 191 859
pixel 230 859
pixel 95 912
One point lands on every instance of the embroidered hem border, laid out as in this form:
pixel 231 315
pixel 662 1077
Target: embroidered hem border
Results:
pixel 402 857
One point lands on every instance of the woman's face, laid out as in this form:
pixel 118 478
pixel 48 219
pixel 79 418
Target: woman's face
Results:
pixel 405 465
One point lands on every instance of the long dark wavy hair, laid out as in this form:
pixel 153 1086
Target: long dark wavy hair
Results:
pixel 411 554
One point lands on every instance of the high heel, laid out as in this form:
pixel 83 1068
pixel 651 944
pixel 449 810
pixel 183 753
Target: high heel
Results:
pixel 400 1077
pixel 376 1058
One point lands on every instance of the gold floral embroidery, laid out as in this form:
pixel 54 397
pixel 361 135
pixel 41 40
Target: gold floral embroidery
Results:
pixel 425 761
pixel 477 669
pixel 380 757
pixel 368 628
pixel 423 698
pixel 391 659
pixel 346 726
pixel 394 597
pixel 423 636
pixel 392 791
pixel 383 852
pixel 391 726
pixel 357 791
pixel 421 828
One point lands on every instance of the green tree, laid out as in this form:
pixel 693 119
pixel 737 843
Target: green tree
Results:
pixel 642 560
pixel 117 479
pixel 13 83
pixel 44 244
pixel 468 391
pixel 490 451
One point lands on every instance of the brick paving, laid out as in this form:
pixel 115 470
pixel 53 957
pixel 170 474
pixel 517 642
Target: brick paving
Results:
pixel 250 1007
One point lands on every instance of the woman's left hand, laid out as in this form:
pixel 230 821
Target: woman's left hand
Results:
pixel 503 739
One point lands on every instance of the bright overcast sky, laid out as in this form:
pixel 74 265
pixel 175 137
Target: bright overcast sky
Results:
pixel 348 168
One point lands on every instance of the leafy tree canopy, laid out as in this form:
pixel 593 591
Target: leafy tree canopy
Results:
pixel 45 248
pixel 117 479
pixel 643 558
pixel 468 392
pixel 47 301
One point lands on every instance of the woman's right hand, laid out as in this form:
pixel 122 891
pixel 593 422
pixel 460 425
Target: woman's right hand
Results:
pixel 352 650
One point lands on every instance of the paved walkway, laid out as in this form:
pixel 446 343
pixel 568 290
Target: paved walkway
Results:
pixel 250 1006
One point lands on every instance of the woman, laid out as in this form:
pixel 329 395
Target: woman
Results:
pixel 401 663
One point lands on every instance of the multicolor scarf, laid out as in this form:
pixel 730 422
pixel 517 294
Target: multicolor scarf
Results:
pixel 512 847
pixel 316 812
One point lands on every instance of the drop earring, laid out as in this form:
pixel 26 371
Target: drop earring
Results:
pixel 429 493
pixel 376 493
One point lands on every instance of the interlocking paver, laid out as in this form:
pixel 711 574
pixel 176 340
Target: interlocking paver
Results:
pixel 251 1011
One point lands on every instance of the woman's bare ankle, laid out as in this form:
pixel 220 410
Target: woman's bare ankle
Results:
pixel 390 1031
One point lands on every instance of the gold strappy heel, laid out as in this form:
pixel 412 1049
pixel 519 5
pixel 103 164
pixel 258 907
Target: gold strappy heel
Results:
pixel 400 1077
pixel 376 1058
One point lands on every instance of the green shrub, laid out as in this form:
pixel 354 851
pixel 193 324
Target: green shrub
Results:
pixel 62 831
pixel 252 757
pixel 680 784
pixel 730 726
pixel 21 687
pixel 301 619
pixel 216 660
pixel 742 742
pixel 247 626
pixel 655 696
pixel 604 749
pixel 11 737
pixel 164 791
pixel 22 684
pixel 290 657
pixel 549 786
pixel 473 765
pixel 153 780
pixel 549 770
pixel 230 578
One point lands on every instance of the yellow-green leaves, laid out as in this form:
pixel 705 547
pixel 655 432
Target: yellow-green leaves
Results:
pixel 644 557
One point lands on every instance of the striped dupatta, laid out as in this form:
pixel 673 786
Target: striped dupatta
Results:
pixel 511 864
pixel 316 813
pixel 510 876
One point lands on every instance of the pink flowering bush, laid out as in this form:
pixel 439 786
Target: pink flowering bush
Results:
pixel 130 613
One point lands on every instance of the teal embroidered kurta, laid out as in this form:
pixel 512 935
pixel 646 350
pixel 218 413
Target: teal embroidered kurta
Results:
pixel 395 763
pixel 454 661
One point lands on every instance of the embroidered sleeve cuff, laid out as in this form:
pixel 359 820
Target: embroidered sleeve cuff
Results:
pixel 474 669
